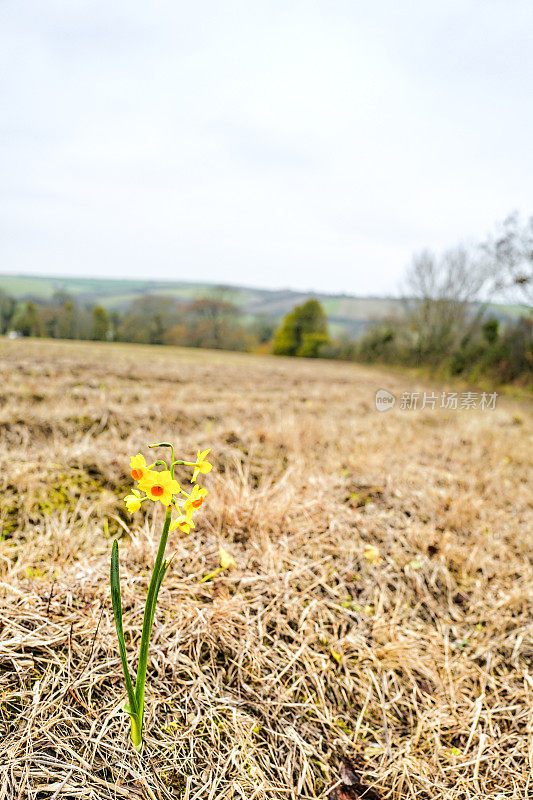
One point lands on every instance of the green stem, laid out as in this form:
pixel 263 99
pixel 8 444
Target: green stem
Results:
pixel 211 575
pixel 149 611
pixel 136 733
pixel 172 461
pixel 166 444
pixel 186 463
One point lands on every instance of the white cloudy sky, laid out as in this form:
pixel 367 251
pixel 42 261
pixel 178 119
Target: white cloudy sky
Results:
pixel 274 143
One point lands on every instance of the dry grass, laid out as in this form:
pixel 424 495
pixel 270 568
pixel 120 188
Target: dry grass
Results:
pixel 419 667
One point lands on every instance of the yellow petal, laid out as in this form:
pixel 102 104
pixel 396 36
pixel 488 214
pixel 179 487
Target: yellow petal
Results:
pixel 166 498
pixel 148 479
pixel 132 503
pixel 183 523
pixel 372 553
pixel 226 560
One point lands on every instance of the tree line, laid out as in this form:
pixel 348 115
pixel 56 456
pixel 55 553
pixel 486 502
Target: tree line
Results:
pixel 445 322
pixel 210 321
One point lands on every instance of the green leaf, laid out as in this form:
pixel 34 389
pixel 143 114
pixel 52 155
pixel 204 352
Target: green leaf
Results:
pixel 117 612
pixel 158 574
pixel 160 577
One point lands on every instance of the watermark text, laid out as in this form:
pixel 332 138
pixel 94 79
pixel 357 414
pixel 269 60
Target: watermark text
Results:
pixel 451 401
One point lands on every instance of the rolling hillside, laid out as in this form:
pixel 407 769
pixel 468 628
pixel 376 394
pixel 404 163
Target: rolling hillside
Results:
pixel 346 313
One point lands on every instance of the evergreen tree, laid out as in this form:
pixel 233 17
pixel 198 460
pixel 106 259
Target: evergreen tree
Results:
pixel 66 323
pixel 100 324
pixel 27 320
pixel 7 309
pixel 303 332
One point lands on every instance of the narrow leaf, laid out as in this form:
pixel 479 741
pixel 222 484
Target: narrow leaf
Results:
pixel 117 612
pixel 149 610
pixel 160 577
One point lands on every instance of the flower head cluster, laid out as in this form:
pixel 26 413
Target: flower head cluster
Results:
pixel 160 485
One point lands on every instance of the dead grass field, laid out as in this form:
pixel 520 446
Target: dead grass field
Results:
pixel 419 668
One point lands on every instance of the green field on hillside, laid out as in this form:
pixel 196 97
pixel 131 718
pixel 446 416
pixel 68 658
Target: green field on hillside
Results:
pixel 346 314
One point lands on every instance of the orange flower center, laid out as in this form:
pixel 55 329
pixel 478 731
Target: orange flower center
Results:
pixel 137 473
pixel 157 491
pixel 197 503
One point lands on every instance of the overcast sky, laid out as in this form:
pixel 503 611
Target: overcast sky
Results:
pixel 312 145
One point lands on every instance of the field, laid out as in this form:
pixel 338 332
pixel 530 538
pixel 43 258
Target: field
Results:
pixel 417 667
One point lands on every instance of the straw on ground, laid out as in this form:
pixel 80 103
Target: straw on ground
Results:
pixel 417 664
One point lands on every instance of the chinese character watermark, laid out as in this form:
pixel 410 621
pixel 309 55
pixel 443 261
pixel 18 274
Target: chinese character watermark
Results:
pixel 452 401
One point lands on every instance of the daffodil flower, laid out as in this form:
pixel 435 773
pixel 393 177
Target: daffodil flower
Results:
pixel 195 499
pixel 226 559
pixel 201 465
pixel 159 486
pixel 138 467
pixel 133 501
pixel 372 554
pixel 156 486
pixel 184 523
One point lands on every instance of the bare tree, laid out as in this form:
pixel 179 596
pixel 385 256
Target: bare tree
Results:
pixel 443 299
pixel 509 258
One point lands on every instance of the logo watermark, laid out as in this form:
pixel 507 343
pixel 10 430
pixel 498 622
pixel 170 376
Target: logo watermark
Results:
pixel 452 401
pixel 384 400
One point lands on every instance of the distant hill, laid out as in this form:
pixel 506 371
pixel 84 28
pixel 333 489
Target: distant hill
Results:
pixel 346 313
